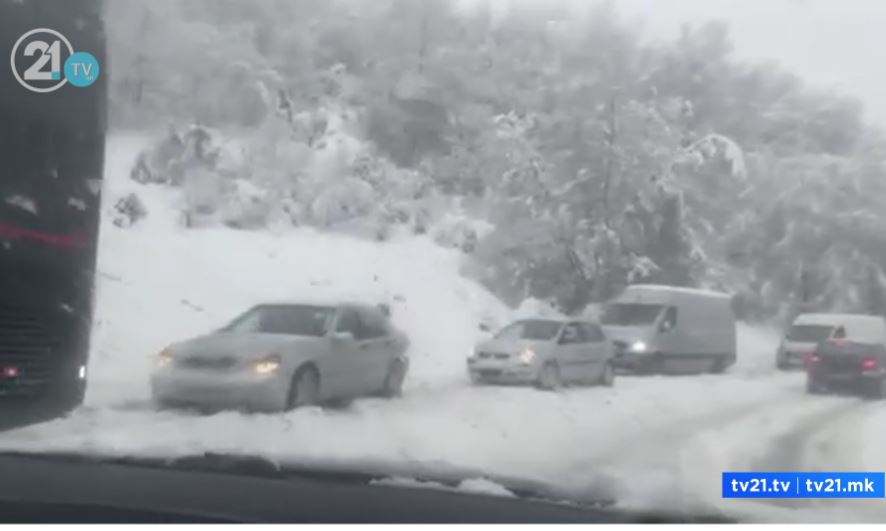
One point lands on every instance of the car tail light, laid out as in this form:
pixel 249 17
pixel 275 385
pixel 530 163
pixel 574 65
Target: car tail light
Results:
pixel 869 363
pixel 812 358
pixel 9 372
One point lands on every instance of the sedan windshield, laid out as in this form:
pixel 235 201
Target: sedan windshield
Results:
pixel 630 314
pixel 283 319
pixel 809 333
pixel 535 330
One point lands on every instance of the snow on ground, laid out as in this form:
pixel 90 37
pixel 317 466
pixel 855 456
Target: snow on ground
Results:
pixel 160 283
pixel 651 442
pixel 472 485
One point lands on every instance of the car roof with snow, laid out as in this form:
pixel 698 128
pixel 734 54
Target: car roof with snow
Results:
pixel 833 318
pixel 660 288
pixel 857 326
pixel 322 301
pixel 554 319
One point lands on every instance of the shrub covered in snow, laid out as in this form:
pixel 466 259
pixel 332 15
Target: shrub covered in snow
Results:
pixel 532 307
pixel 128 210
pixel 460 231
pixel 283 173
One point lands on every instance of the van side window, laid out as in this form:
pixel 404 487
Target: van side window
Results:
pixel 670 317
pixel 839 333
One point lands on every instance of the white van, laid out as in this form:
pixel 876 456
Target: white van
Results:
pixel 810 329
pixel 671 329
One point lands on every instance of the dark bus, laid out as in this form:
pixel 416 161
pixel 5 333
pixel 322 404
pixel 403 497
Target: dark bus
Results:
pixel 51 168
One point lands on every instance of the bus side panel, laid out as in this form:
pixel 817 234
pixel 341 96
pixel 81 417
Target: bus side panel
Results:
pixel 51 155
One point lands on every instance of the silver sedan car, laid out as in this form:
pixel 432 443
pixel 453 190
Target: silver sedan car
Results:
pixel 545 352
pixel 276 357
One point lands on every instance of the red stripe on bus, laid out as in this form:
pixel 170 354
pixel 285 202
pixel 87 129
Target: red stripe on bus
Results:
pixel 54 240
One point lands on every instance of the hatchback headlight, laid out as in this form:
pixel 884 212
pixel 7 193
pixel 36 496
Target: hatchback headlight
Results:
pixel 638 346
pixel 267 365
pixel 527 355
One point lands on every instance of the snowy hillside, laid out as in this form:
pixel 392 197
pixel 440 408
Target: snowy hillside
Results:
pixel 160 283
pixel 651 442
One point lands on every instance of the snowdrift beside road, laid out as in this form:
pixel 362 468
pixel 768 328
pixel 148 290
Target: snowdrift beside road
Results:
pixel 160 283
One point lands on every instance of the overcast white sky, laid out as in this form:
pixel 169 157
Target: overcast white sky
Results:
pixel 835 44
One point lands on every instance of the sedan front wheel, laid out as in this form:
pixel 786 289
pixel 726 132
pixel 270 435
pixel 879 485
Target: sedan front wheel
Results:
pixel 549 377
pixel 304 389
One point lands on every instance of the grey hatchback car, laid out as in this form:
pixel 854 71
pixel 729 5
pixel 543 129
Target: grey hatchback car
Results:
pixel 276 357
pixel 547 353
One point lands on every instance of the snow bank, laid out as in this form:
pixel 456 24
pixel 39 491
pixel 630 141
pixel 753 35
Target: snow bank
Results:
pixel 756 346
pixel 473 486
pixel 160 283
pixel 533 307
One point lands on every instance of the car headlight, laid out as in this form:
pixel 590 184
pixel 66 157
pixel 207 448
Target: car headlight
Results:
pixel 527 355
pixel 638 346
pixel 267 365
pixel 164 358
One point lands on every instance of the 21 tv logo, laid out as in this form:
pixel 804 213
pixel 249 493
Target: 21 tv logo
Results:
pixel 43 60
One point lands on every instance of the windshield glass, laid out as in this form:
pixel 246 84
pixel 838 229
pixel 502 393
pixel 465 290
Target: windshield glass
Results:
pixel 530 330
pixel 283 319
pixel 450 175
pixel 809 333
pixel 630 314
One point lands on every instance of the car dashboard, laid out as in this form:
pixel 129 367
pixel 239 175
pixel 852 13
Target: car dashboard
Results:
pixel 34 489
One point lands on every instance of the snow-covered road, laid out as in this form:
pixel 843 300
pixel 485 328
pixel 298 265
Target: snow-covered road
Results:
pixel 659 442
pixel 650 442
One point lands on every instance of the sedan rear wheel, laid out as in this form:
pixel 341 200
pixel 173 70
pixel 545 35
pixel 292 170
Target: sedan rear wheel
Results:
pixel 718 366
pixel 876 389
pixel 304 389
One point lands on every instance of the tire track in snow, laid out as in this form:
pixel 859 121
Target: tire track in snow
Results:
pixel 671 435
pixel 820 444
pixel 791 450
pixel 678 467
pixel 660 466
